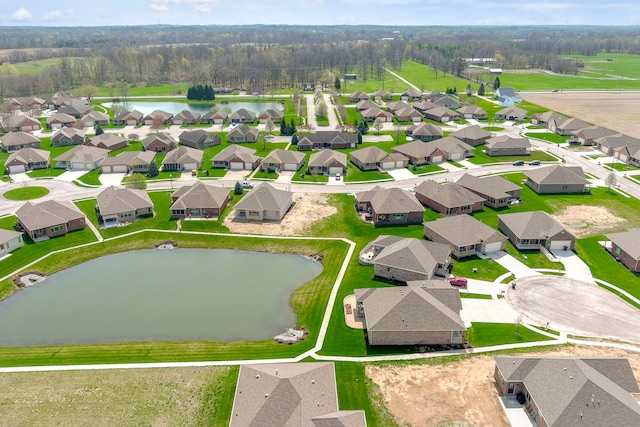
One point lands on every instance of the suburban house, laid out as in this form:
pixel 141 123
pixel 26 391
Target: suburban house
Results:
pixel 10 240
pixel 199 201
pixel 422 313
pixel 507 96
pixel 374 158
pixel 129 118
pixel 405 259
pixel 587 136
pixel 68 136
pixel 60 120
pixel 365 104
pixel 199 139
pixel 328 162
pixel 608 144
pixel 453 148
pixel 283 160
pixel 420 153
pixel 496 190
pixel 408 114
pixel 243 133
pixel 375 113
pixel 544 119
pixel 76 108
pixel 119 206
pixel 441 114
pixel 447 102
pixel 129 162
pixel 27 159
pixel 186 117
pixel 358 96
pixel 81 157
pixel 423 105
pixel 49 219
pixel 264 203
pixel 557 179
pixel 329 139
pixel 236 157
pixel 506 145
pixel 535 230
pixel 448 199
pixel 473 135
pixel 157 118
pixel 473 112
pixel 570 391
pixel 290 394
pixel 159 142
pixel 465 235
pixel 242 115
pixel 14 141
pixel 382 95
pixel 411 95
pixel 24 103
pixel 629 154
pixel 183 159
pixel 94 118
pixel 390 206
pixel 424 132
pixel 215 117
pixel 108 141
pixel 624 246
pixel 396 105
pixel 20 123
pixel 513 113
pixel 275 115
pixel 566 126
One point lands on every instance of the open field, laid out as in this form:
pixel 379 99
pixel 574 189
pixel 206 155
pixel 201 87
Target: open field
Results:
pixel 621 64
pixel 622 109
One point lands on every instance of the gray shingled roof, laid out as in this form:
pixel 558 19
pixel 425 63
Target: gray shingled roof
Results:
pixel 548 116
pixel 373 154
pixel 115 200
pixel 35 216
pixel 494 186
pixel 61 117
pixel 17 138
pixel 627 241
pixel 243 114
pixel 472 109
pixel 135 114
pixel 166 138
pixel 394 201
pixel 506 141
pixel 416 149
pixel 512 110
pixel 533 225
pixel 87 153
pixel 6 235
pixel 245 130
pixel 284 157
pixel 200 195
pixel 451 144
pixel 450 195
pixel 557 174
pixel 130 158
pixel 29 155
pixel 571 124
pixel 265 197
pixel 187 115
pixel 414 255
pixel 245 153
pixel 464 230
pixel 593 132
pixel 107 139
pixel 425 128
pixel 183 154
pixel 471 132
pixel 327 157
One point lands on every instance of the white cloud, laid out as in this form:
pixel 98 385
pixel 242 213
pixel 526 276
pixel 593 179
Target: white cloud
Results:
pixel 54 15
pixel 21 14
pixel 545 6
pixel 158 7
pixel 202 6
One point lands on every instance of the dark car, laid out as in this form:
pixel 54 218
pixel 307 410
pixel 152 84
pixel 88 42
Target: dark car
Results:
pixel 535 163
pixel 457 281
pixel 518 163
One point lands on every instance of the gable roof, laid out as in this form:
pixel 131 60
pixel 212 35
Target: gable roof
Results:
pixel 441 112
pixel 450 195
pixel 506 141
pixel 328 137
pixel 130 158
pixel 197 136
pixel 627 241
pixel 165 138
pixel 414 255
pixel 215 113
pixel 471 132
pixel 557 174
pixel 593 132
pixel 115 200
pixel 29 155
pixel 327 157
pixel 548 116
pixel 533 225
pixel 571 124
pixel 472 109
pixel 6 235
pixel 107 139
pixel 95 115
pixel 183 154
pixel 158 115
pixel 127 115
pixel 243 113
pixel 464 230
pixel 425 128
pixel 451 144
pixel 447 100
pixel 87 153
pixel 265 197
pixel 61 117
pixel 416 149
pixel 69 133
pixel 19 120
pixel 617 140
pixel 188 115
pixel 373 154
pixel 390 200
pixel 281 156
pixel 244 153
pixel 493 186
pixel 512 111
pixel 200 195
pixel 244 130
pixel 35 216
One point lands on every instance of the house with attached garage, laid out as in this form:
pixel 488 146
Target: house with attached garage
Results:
pixel 186 117
pixel 425 312
pixel 159 142
pixel 507 96
pixel 290 394
pixel 81 157
pixel 473 112
pixel 183 159
pixel 27 159
pixel 243 133
pixel 557 179
pixel 473 135
pixel 283 160
pixel 424 132
pixel 157 118
pixel 236 157
pixel 119 206
pixel 570 391
pixel 374 158
pixel 375 113
pixel 129 118
pixel 441 114
pixel 587 136
pixel 448 199
pixel 365 104
pixel 108 141
pixel 20 123
pixel 566 127
pixel 76 108
pixel 513 113
pixel 60 120
pixel 215 117
pixel 68 136
pixel 94 118
pixel 420 153
pixel 10 240
pixel 199 139
pixel 358 96
pixel 411 95
pixel 199 201
pixel 382 95
pixel 49 219
pixel 328 162
pixel 535 230
pixel 264 203
pixel 242 115
pixel 608 144
pixel 629 154
pixel 276 116
pixel 465 235
pixel 390 206
pixel 624 246
pixel 26 103
pixel 544 119
pixel 423 105
pixel 506 145
pixel 329 139
pixel 129 162
pixel 404 259
pixel 447 102
pixel 408 114
pixel 453 148
pixel 14 141
pixel 496 190
pixel 396 105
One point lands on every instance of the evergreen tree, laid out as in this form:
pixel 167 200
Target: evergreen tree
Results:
pixel 237 190
pixel 496 83
pixel 292 128
pixel 283 127
pixel 190 92
pixel 363 127
pixel 153 170
pixel 294 139
pixel 337 83
pixel 359 138
pixel 481 89
pixel 468 90
pixel 99 130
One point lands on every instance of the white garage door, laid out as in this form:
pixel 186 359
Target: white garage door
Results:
pixel 436 159
pixel 118 168
pixel 333 171
pixel 493 247
pixel 17 169
pixel 131 123
pixel 190 166
pixel 290 167
pixel 89 124
pixel 560 244
pixel 388 165
pixel 456 156
pixel 79 165
pixel 236 166
pixel 56 126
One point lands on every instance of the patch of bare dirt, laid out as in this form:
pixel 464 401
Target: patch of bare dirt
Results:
pixel 308 208
pixel 461 393
pixel 617 111
pixel 588 220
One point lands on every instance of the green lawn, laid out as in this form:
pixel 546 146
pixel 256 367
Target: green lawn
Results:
pixel 45 173
pixel 542 81
pixel 487 269
pixel 91 178
pixel 621 64
pixel 493 128
pixel 548 136
pixel 427 78
pixel 27 192
pixel 481 158
pixel 621 167
pixel 39 66
pixel 488 334
pixel 464 294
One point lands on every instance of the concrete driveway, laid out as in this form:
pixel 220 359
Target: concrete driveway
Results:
pixel 70 176
pixel 513 265
pixel 488 311
pixel 401 174
pixel 575 307
pixel 574 267
pixel 109 179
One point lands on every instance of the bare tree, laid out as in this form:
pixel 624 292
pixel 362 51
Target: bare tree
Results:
pixel 378 124
pixel 611 181
pixel 269 126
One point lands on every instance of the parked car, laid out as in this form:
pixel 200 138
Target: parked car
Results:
pixel 518 163
pixel 457 281
pixel 535 163
pixel 338 177
pixel 247 184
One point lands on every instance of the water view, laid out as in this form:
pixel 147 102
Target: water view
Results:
pixel 151 295
pixel 175 107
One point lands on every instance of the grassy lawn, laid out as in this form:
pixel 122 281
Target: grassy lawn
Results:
pixel 37 67
pixel 493 128
pixel 548 136
pixel 481 158
pixel 488 334
pixel 621 167
pixel 488 269
pixel 426 77
pixel 533 259
pixel 45 173
pixel 464 294
pixel 425 169
pixel 542 81
pixel 91 177
pixel 29 192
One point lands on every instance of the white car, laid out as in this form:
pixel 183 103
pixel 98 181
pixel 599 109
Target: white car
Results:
pixel 247 184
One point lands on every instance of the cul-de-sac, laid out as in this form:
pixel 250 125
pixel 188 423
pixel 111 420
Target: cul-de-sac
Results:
pixel 318 225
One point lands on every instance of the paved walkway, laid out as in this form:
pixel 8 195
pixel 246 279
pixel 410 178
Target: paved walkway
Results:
pixel 70 176
pixel 513 265
pixel 574 267
pixel 487 310
pixel 109 179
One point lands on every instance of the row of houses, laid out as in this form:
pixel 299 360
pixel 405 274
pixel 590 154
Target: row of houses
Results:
pixel 188 117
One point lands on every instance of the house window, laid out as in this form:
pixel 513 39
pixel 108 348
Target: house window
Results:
pixel 398 216
pixel 618 250
pixel 564 187
pixel 57 228
pixel 126 214
pixel 254 213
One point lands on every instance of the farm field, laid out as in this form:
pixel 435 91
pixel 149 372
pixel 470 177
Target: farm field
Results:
pixel 621 64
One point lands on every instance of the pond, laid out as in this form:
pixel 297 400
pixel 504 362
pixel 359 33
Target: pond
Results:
pixel 152 295
pixel 175 107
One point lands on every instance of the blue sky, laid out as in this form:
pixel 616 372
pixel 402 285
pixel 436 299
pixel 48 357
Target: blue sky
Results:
pixel 318 12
